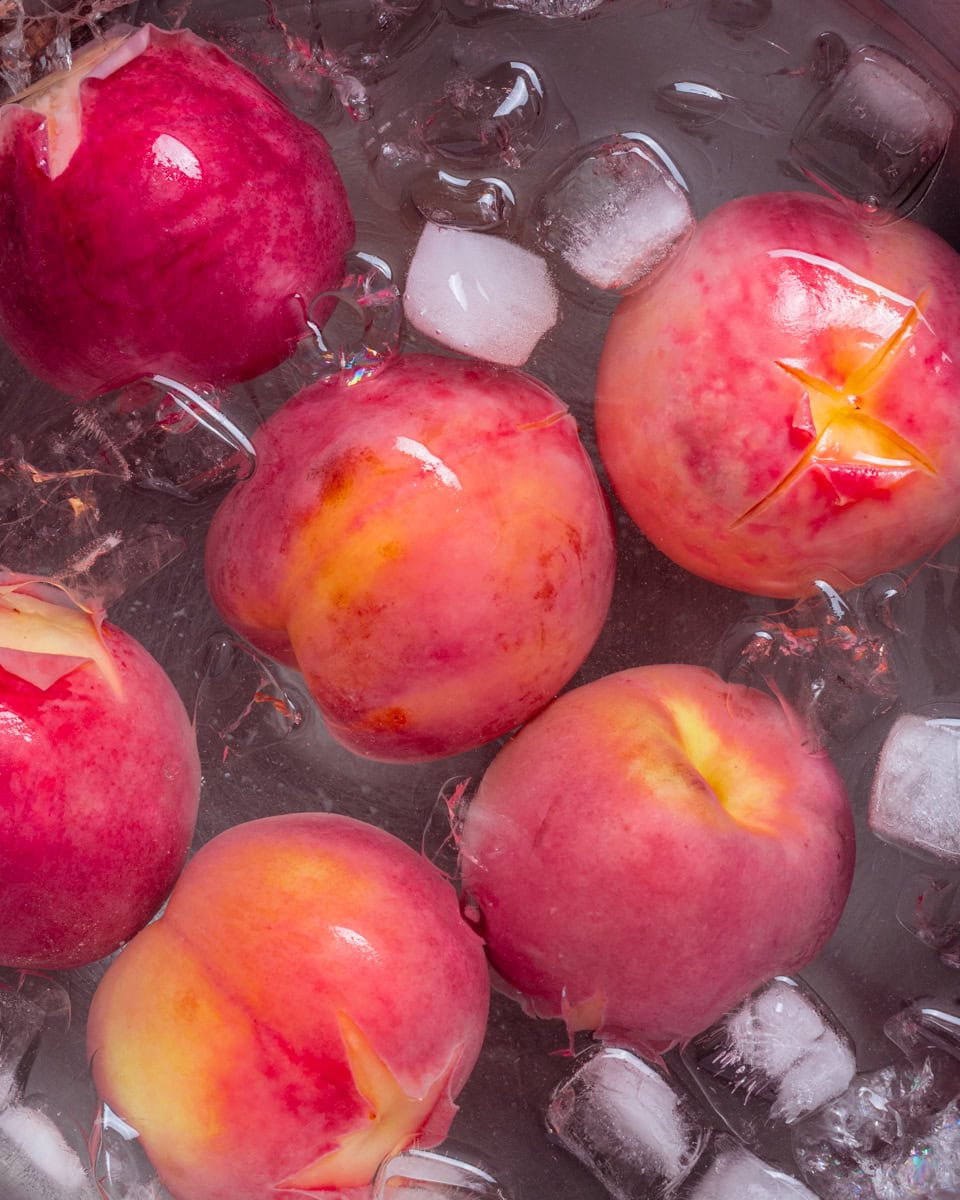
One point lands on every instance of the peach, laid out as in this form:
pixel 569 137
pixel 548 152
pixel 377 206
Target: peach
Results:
pixel 309 1003
pixel 651 848
pixel 780 408
pixel 161 212
pixel 430 546
pixel 99 781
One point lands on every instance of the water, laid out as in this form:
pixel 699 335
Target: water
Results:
pixel 737 96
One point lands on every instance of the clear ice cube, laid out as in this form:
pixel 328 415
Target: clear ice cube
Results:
pixel 617 214
pixel 479 294
pixel 427 1175
pixel 776 1057
pixel 467 203
pixel 843 1147
pixel 876 134
pixel 735 1173
pixel 21 1023
pixel 930 910
pixel 924 1026
pixel 623 1119
pixel 928 1168
pixel 915 797
pixel 541 8
pixel 121 1167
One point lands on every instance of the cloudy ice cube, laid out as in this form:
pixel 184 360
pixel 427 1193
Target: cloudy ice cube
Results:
pixel 427 1175
pixel 36 1161
pixel 625 1122
pixel 776 1057
pixel 915 799
pixel 734 1173
pixel 616 214
pixel 876 134
pixel 479 294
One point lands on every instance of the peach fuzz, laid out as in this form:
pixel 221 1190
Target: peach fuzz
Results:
pixel 161 212
pixel 780 407
pixel 651 848
pixel 430 547
pixel 309 1003
pixel 99 781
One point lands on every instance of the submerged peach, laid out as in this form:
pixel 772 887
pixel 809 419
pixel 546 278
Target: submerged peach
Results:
pixel 430 546
pixel 309 1003
pixel 780 408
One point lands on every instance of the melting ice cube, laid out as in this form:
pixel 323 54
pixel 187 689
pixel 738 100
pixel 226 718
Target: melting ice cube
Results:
pixel 20 1025
pixel 872 1126
pixel 426 1175
pixel 617 213
pixel 930 910
pixel 479 294
pixel 776 1057
pixel 36 1160
pixel 876 134
pixel 915 799
pixel 624 1121
pixel 735 1173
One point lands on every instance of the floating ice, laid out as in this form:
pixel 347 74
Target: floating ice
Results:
pixel 735 1173
pixel 876 134
pixel 617 213
pixel 122 1169
pixel 930 910
pixel 448 199
pixel 625 1122
pixel 20 1025
pixel 871 1128
pixel 427 1175
pixel 36 1161
pixel 542 8
pixel 479 294
pixel 928 1168
pixel 776 1057
pixel 915 799
pixel 925 1026
pixel 738 17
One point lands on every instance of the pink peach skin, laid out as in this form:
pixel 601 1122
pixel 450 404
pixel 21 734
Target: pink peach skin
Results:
pixel 309 1003
pixel 650 849
pixel 430 546
pixel 160 213
pixel 781 407
pixel 99 782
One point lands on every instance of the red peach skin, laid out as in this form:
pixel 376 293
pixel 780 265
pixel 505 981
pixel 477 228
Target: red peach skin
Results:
pixel 651 848
pixel 161 218
pixel 781 407
pixel 309 1003
pixel 99 782
pixel 430 546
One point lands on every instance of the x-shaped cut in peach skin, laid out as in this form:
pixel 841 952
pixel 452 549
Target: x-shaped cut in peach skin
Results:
pixel 855 452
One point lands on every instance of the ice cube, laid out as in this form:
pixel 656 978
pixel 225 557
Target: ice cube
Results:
pixel 541 8
pixel 735 1173
pixel 479 294
pixel 876 134
pixel 776 1057
pixel 123 1171
pixel 930 910
pixel 617 213
pixel 924 1026
pixel 927 1169
pixel 36 1160
pixel 448 199
pixel 628 1124
pixel 841 1148
pixel 426 1175
pixel 21 1023
pixel 915 798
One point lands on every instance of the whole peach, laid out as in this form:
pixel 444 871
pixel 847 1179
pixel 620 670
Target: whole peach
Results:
pixel 309 1003
pixel 161 212
pixel 781 407
pixel 651 848
pixel 430 546
pixel 99 781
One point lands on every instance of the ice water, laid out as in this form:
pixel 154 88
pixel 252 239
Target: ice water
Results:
pixel 544 124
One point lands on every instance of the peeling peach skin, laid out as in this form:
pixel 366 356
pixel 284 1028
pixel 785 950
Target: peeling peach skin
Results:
pixel 431 547
pixel 780 408
pixel 99 781
pixel 651 848
pixel 309 1003
pixel 161 212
